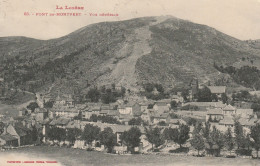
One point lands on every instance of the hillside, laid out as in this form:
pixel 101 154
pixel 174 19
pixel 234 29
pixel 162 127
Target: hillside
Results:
pixel 254 43
pixel 164 50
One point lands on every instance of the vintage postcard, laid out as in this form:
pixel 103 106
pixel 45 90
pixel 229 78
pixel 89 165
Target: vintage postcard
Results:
pixel 129 82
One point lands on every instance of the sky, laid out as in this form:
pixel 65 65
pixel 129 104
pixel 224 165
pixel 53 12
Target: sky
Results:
pixel 237 18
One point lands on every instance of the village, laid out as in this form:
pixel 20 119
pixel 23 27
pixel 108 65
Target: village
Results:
pixel 155 125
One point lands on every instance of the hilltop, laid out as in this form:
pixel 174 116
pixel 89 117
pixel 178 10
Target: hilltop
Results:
pixel 164 50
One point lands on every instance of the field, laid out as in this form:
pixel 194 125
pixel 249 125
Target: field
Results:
pixel 73 157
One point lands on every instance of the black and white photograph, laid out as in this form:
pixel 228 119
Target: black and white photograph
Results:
pixel 129 82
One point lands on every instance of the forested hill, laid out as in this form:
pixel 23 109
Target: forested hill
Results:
pixel 164 50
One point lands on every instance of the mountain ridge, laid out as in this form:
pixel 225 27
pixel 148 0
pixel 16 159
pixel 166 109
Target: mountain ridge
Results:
pixel 164 50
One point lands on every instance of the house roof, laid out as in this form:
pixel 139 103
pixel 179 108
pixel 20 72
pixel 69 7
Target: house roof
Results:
pixel 113 113
pixel 130 104
pixel 115 127
pixel 161 116
pixel 229 108
pixel 242 121
pixel 177 121
pixel 175 97
pixel 125 117
pixel 219 105
pixel 73 124
pixel 215 111
pixel 137 112
pixel 23 109
pixel 227 121
pixel 96 108
pixel 104 111
pixel 247 121
pixel 45 121
pixel 121 107
pixel 161 104
pixel 217 89
pixel 167 101
pixel 81 106
pixel 204 104
pixel 105 107
pixel 8 137
pixel 21 131
pixel 245 111
pixel 60 121
pixel 42 110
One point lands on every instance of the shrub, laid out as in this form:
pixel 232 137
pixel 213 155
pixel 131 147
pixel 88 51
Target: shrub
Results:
pixel 244 152
pixel 180 150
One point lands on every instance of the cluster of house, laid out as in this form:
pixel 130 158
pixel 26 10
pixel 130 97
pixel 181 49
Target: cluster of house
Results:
pixel 224 117
pixel 17 131
pixel 150 111
pixel 64 111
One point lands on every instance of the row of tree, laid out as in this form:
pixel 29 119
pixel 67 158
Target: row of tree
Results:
pixel 89 134
pixel 247 76
pixel 213 141
pixel 154 91
pixel 103 119
pixel 204 137
pixel 106 95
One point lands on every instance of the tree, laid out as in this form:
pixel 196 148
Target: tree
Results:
pixel 2 126
pixel 224 98
pixel 239 134
pixel 179 135
pixel 255 135
pixel 197 129
pixel 192 121
pixel 135 121
pixel 255 107
pixel 174 104
pixel 154 136
pixel 113 86
pixel 185 94
pixel 94 95
pixel 174 116
pixel 123 90
pixel 229 142
pixel 93 118
pixel 248 142
pixel 34 134
pixel 79 117
pixel 214 97
pixel 204 95
pixel 131 138
pixel 73 135
pixel 148 87
pixel 60 134
pixel 32 106
pixel 108 139
pixel 50 133
pixel 90 133
pixel 159 88
pixel 166 135
pixel 197 142
pixel 108 97
pixel 217 138
pixel 48 104
pixel 162 123
pixel 55 133
pixel 150 106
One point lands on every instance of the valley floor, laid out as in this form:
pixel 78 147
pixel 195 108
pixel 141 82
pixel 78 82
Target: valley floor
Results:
pixel 72 157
